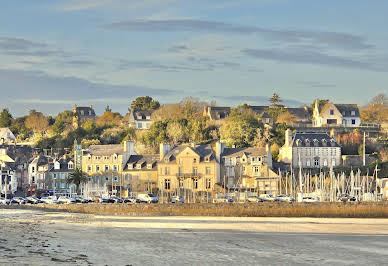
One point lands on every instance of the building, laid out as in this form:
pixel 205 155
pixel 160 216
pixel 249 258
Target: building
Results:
pixel 216 112
pixel 58 174
pixel 190 171
pixel 140 119
pixel 83 113
pixel 301 115
pixel 37 174
pixel 310 150
pixel 330 114
pixel 141 174
pixel 104 164
pixel 248 169
pixel 8 180
pixel 6 136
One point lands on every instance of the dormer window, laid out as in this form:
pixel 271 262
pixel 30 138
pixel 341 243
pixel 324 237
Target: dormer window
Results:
pixel 138 166
pixel 195 160
pixel 207 159
pixel 82 112
pixel 70 165
pixel 97 157
pixel 148 117
pixel 115 157
pixel 298 142
pixel 130 166
pixel 106 158
pixel 307 142
pixel 331 112
pixel 353 113
pixel 315 142
pixel 149 166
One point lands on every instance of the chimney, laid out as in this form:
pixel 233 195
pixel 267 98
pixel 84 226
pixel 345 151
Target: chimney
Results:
pixel 129 147
pixel 332 133
pixel 288 137
pixel 220 146
pixel 91 106
pixel 163 150
pixel 75 108
pixel 269 156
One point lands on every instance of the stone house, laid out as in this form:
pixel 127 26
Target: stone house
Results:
pixel 83 113
pixel 310 150
pixel 330 114
pixel 140 119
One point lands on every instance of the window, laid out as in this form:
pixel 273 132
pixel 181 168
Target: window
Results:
pixel 308 163
pixel 97 157
pixel 70 166
pixel 115 157
pixel 116 178
pixel 208 170
pixel 167 184
pixel 316 162
pixel 331 112
pixel 244 170
pixel 333 162
pixel 106 168
pixel 243 160
pixel 353 121
pixel 181 183
pixel 195 160
pixel 97 168
pixel 316 151
pixel 253 159
pixel 167 170
pixel 139 125
pixel 115 168
pixel 195 184
pixel 325 162
pixel 353 113
pixel 89 168
pixel 55 176
pixel 106 178
pixel 208 183
pixel 256 169
pixel 195 170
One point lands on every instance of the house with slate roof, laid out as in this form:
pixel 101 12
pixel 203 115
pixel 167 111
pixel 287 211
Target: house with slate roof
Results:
pixel 216 112
pixel 6 136
pixel 190 171
pixel 58 174
pixel 310 150
pixel 330 114
pixel 140 119
pixel 83 113
pixel 141 173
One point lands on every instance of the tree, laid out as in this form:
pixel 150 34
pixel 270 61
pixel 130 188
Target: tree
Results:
pixel 62 121
pixel 175 132
pixel 168 111
pixel 192 107
pixel 36 121
pixel 275 108
pixel 376 111
pixel 5 118
pixel 88 142
pixel 108 118
pixel 144 104
pixel 77 178
pixel 286 117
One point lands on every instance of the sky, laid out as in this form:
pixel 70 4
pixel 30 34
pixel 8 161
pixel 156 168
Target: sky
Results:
pixel 57 53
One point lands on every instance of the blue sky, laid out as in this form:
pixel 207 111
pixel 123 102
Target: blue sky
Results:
pixel 54 53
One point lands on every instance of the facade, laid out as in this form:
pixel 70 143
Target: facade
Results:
pixel 6 136
pixel 140 119
pixel 330 114
pixel 8 179
pixel 104 164
pixel 83 113
pixel 216 112
pixel 58 174
pixel 141 174
pixel 310 150
pixel 249 169
pixel 190 171
pixel 37 173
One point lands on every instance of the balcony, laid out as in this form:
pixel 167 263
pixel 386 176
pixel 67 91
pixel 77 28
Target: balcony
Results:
pixel 188 175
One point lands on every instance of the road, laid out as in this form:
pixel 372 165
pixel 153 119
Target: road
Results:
pixel 46 238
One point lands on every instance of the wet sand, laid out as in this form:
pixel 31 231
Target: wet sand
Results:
pixel 38 237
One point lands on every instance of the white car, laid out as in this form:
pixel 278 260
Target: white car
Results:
pixel 223 199
pixel 177 199
pixel 254 199
pixel 4 201
pixel 285 198
pixel 147 198
pixel 310 199
pixel 49 200
pixel 66 200
pixel 267 197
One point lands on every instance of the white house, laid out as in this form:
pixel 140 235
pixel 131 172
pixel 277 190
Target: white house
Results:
pixel 6 136
pixel 140 119
pixel 310 150
pixel 330 114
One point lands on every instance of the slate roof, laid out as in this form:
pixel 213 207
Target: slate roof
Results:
pixel 145 159
pixel 6 133
pixel 259 109
pixel 301 114
pixel 63 162
pixel 202 150
pixel 218 112
pixel 105 150
pixel 249 151
pixel 85 111
pixel 346 110
pixel 143 115
pixel 313 140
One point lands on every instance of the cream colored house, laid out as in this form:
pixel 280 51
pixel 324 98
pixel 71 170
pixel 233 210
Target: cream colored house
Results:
pixel 6 136
pixel 310 150
pixel 330 114
pixel 249 169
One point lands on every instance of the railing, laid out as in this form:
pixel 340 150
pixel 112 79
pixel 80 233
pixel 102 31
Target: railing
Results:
pixel 189 175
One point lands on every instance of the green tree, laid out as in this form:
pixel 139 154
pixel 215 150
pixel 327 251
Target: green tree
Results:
pixel 144 104
pixel 36 121
pixel 77 178
pixel 275 108
pixel 175 132
pixel 5 118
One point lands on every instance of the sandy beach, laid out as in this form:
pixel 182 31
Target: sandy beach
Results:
pixel 39 237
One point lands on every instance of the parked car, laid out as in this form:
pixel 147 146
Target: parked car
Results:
pixel 66 200
pixel 147 198
pixel 18 200
pixel 267 197
pixel 81 199
pixel 177 199
pixel 346 197
pixel 284 198
pixel 49 200
pixel 310 199
pixel 4 201
pixel 115 199
pixel 254 199
pixel 223 199
pixel 101 199
pixel 33 200
pixel 131 200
